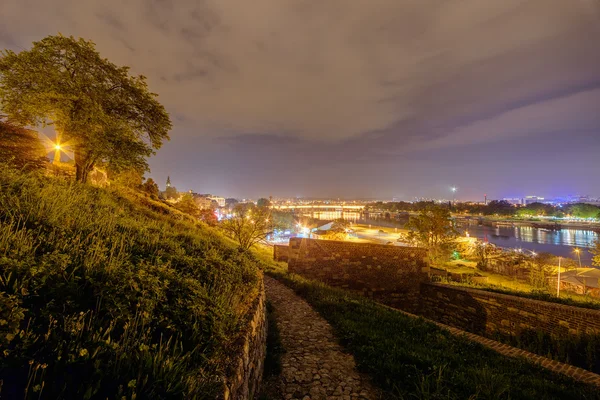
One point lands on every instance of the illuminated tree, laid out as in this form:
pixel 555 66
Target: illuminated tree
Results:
pixel 249 225
pixel 433 229
pixel 208 216
pixel 21 147
pixel 171 192
pixel 104 114
pixel 262 202
pixel 150 187
pixel 541 269
pixel 583 210
pixel 188 205
pixel 596 252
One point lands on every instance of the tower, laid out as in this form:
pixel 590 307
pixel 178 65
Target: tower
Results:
pixel 168 181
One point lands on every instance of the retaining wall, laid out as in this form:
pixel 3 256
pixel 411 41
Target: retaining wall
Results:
pixel 483 312
pixel 243 381
pixel 388 274
pixel 280 252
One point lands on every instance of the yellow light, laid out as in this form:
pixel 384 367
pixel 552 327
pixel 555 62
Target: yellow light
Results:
pixel 57 146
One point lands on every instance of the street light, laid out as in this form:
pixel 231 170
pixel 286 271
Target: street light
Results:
pixel 454 194
pixel 578 256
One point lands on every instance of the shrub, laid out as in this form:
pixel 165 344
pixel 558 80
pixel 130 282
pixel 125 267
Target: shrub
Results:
pixel 107 294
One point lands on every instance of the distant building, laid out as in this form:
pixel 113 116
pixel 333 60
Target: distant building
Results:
pixel 168 181
pixel 514 201
pixel 220 200
pixel 532 199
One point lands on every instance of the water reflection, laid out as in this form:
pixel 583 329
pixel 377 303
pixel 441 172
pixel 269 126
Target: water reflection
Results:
pixel 560 242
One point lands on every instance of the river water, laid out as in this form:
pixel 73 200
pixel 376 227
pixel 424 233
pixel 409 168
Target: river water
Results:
pixel 561 242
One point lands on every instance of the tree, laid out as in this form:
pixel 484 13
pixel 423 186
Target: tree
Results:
pixel 262 202
pixel 103 113
pixel 130 178
pixel 249 225
pixel 171 193
pixel 500 207
pixel 21 148
pixel 535 209
pixel 596 252
pixel 482 252
pixel 540 270
pixel 339 229
pixel 188 205
pixel 150 187
pixel 433 229
pixel 209 217
pixel 230 203
pixel 583 210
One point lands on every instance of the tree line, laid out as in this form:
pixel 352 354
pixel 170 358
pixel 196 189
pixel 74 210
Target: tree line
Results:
pixel 495 207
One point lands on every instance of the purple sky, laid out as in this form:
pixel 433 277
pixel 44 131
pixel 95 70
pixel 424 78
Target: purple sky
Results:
pixel 355 98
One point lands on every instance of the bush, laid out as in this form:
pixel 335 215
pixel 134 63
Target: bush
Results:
pixel 107 294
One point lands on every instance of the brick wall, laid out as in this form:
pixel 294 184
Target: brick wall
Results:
pixel 485 312
pixel 385 273
pixel 280 252
pixel 244 378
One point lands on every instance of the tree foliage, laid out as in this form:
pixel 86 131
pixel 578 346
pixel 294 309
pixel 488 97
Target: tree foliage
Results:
pixel 171 193
pixel 596 252
pixel 208 216
pixel 188 205
pixel 104 114
pixel 583 210
pixel 262 202
pixel 541 268
pixel 150 187
pixel 433 229
pixel 21 148
pixel 249 225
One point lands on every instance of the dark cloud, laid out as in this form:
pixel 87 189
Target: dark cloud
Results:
pixel 333 95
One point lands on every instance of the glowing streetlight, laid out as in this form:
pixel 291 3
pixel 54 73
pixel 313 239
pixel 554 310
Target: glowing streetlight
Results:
pixel 57 147
pixel 578 256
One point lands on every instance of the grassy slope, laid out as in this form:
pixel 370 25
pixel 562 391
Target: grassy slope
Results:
pixel 411 358
pixel 106 294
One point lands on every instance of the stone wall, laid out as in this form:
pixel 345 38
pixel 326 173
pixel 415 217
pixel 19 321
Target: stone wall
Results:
pixel 483 312
pixel 280 252
pixel 243 382
pixel 385 273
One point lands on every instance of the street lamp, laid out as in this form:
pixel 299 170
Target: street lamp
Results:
pixel 578 256
pixel 454 194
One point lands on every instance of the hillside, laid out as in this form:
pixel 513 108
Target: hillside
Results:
pixel 108 294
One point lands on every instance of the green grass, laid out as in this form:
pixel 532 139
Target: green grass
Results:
pixel 109 294
pixel 411 358
pixel 581 301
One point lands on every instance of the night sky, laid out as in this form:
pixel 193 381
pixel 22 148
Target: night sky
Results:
pixel 355 98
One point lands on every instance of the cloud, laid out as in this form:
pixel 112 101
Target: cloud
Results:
pixel 330 70
pixel 300 88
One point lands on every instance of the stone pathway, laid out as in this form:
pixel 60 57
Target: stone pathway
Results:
pixel 314 366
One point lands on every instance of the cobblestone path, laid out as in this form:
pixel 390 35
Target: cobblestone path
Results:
pixel 314 366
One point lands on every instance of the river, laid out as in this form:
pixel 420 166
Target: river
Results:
pixel 561 242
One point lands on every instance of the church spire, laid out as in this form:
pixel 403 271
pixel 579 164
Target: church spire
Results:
pixel 168 181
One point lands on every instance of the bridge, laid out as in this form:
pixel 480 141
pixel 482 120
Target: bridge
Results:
pixel 320 207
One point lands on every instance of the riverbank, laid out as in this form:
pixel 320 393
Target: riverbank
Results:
pixel 548 223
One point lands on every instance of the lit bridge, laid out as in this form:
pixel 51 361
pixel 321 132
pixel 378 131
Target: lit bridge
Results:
pixel 320 207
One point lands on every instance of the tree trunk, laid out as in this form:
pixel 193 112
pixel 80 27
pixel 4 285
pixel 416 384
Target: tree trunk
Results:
pixel 83 166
